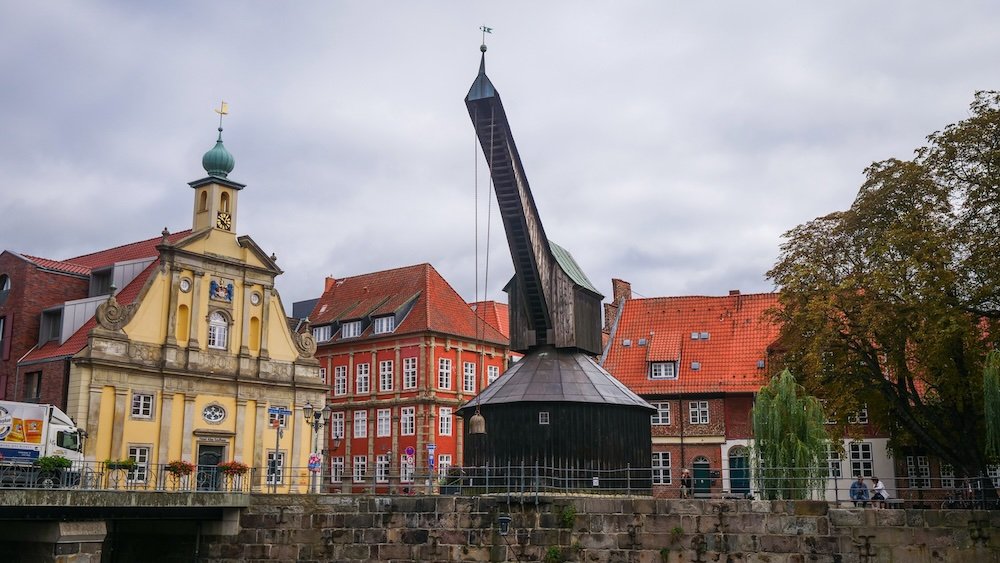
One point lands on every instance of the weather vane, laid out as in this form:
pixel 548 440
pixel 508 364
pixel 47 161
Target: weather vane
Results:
pixel 485 30
pixel 223 110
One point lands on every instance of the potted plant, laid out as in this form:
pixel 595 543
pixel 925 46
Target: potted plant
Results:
pixel 128 463
pixel 53 463
pixel 179 468
pixel 233 468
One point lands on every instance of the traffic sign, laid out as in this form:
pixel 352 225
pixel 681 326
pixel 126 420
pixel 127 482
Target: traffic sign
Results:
pixel 279 411
pixel 431 447
pixel 410 451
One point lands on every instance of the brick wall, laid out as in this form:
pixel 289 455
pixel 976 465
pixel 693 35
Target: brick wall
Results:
pixel 32 290
pixel 597 530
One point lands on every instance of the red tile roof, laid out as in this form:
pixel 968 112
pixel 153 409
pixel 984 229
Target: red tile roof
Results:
pixel 57 266
pixel 437 307
pixel 494 313
pixel 78 340
pixel 132 251
pixel 739 335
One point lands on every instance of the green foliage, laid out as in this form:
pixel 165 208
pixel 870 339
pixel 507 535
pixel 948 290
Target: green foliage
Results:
pixel 675 534
pixel 894 302
pixel 991 402
pixel 553 555
pixel 789 440
pixel 567 516
pixel 53 462
pixel 128 463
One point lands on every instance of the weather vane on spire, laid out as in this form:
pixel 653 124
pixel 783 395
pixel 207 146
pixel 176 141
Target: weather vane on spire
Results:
pixel 485 30
pixel 223 110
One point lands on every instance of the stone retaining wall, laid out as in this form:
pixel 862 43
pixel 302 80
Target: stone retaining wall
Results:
pixel 304 528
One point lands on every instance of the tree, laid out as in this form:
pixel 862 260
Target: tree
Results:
pixel 896 301
pixel 789 440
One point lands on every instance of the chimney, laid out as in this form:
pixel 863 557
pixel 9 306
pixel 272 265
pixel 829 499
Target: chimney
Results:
pixel 610 312
pixel 621 290
pixel 329 283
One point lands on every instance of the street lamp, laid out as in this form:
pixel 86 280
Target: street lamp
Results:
pixel 318 419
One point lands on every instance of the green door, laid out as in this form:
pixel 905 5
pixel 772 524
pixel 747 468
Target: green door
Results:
pixel 702 477
pixel 739 473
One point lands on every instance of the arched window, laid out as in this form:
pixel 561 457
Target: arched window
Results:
pixel 224 203
pixel 218 331
pixel 203 205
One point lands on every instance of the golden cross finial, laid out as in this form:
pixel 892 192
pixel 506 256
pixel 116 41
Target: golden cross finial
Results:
pixel 223 110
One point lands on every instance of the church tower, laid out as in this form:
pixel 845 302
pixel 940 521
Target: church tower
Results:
pixel 215 196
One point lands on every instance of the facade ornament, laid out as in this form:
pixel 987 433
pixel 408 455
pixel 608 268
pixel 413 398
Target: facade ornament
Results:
pixel 304 340
pixel 113 316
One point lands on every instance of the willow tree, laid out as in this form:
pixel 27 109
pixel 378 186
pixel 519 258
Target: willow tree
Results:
pixel 895 301
pixel 789 440
pixel 991 402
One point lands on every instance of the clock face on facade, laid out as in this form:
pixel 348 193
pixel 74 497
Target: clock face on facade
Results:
pixel 213 413
pixel 224 221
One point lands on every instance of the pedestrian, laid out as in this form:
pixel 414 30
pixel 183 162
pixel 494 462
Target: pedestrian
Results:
pixel 685 484
pixel 879 494
pixel 859 492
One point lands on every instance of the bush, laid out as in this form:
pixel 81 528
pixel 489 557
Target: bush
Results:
pixel 53 462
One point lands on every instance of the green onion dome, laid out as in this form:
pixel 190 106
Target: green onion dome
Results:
pixel 217 161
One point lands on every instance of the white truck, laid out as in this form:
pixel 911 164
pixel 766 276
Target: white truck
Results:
pixel 30 432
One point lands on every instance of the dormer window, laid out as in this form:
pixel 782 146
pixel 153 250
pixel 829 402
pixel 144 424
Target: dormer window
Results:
pixel 351 329
pixel 383 325
pixel 663 370
pixel 100 282
pixel 51 328
pixel 322 333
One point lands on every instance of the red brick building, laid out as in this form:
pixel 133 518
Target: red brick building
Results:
pixel 44 303
pixel 700 360
pixel 401 352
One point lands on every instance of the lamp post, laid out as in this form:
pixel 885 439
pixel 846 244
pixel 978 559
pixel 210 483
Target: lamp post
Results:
pixel 318 419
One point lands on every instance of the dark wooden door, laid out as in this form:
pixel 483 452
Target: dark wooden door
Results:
pixel 209 458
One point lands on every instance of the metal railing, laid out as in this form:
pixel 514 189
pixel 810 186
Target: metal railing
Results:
pixel 117 476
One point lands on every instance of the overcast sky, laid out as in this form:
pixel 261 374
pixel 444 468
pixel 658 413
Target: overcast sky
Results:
pixel 668 144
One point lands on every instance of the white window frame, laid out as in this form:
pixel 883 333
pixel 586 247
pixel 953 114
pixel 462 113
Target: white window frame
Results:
pixel 340 380
pixel 337 469
pixel 444 421
pixel 337 425
pixel 492 374
pixel 663 370
pixel 833 462
pixel 384 325
pixel 661 468
pixel 947 476
pixel 218 331
pixel 444 463
pixel 351 329
pixel 543 418
pixel 860 416
pixel 444 374
pixel 409 373
pixel 862 459
pixel 140 455
pixel 918 471
pixel 362 379
pixel 382 464
pixel 662 415
pixel 359 468
pixel 468 377
pixel 142 405
pixel 278 476
pixel 698 412
pixel 322 333
pixel 383 423
pixel 407 421
pixel 407 469
pixel 385 375
pixel 360 424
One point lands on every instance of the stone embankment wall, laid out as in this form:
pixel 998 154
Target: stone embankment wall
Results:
pixel 305 528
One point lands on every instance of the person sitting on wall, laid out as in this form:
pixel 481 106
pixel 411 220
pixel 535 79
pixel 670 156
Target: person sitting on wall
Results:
pixel 685 484
pixel 859 492
pixel 879 495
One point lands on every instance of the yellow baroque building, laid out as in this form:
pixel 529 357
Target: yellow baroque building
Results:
pixel 187 359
